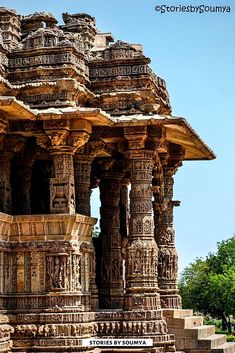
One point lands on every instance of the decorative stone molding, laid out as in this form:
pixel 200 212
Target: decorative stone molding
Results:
pixel 50 227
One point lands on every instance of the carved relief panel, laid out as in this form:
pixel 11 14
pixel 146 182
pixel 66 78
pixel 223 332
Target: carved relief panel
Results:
pixel 57 271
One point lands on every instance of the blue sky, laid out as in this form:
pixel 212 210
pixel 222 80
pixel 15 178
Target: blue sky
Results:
pixel 195 54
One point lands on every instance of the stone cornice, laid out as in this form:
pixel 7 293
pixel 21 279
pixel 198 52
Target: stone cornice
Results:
pixel 178 131
pixel 12 109
pixel 95 115
pixel 45 227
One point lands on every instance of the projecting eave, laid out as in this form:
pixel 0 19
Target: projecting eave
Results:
pixel 95 116
pixel 11 109
pixel 178 131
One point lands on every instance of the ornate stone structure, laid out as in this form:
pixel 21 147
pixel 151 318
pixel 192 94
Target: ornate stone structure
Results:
pixel 77 112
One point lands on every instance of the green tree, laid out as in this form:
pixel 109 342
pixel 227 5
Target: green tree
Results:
pixel 225 256
pixel 208 285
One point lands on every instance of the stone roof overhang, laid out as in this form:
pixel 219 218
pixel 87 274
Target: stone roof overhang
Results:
pixel 12 109
pixel 95 116
pixel 178 131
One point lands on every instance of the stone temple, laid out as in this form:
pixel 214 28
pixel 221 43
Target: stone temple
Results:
pixel 80 111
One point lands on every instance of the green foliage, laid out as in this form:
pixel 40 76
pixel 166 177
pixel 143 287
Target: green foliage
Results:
pixel 224 257
pixel 230 338
pixel 217 323
pixel 208 285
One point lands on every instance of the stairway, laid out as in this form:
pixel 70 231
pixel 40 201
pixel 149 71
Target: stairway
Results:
pixel 191 336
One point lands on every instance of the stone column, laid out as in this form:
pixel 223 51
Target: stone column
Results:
pixel 142 253
pixel 62 192
pixel 164 233
pixel 5 185
pixel 24 193
pixel 62 147
pixel 82 174
pixel 62 144
pixel 8 147
pixel 124 208
pixel 93 286
pixel 165 237
pixel 111 289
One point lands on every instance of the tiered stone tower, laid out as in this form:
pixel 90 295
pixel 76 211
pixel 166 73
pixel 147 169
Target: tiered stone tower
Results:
pixel 77 112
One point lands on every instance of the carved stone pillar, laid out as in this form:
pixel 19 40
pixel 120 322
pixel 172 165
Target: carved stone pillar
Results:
pixel 124 208
pixel 5 185
pixel 62 144
pixel 8 147
pixel 62 189
pixel 93 286
pixel 25 175
pixel 165 237
pixel 82 172
pixel 82 175
pixel 142 253
pixel 62 193
pixel 111 289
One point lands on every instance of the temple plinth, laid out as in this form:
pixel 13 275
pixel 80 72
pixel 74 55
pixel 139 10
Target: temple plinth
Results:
pixel 78 112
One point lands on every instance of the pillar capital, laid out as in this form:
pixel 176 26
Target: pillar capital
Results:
pixel 110 168
pixel 176 155
pixel 140 154
pixel 136 136
pixel 66 139
pixel 9 145
pixel 93 149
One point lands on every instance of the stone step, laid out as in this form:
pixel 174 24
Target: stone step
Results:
pixel 194 333
pixel 212 341
pixel 177 313
pixel 202 331
pixel 190 343
pixel 228 347
pixel 194 337
pixel 185 322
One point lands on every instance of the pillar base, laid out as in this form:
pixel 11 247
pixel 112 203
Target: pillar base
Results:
pixel 170 298
pixel 134 325
pixel 142 301
pixel 171 301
